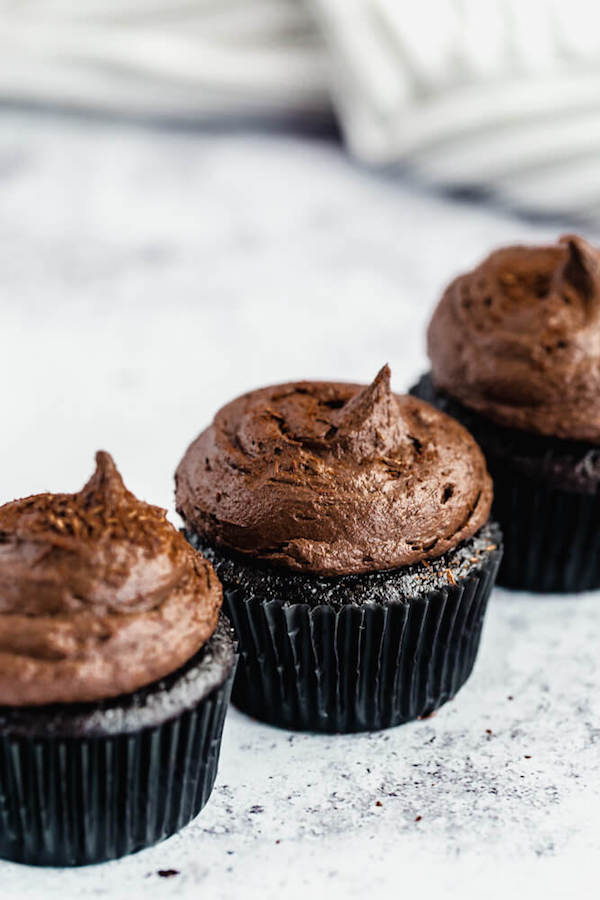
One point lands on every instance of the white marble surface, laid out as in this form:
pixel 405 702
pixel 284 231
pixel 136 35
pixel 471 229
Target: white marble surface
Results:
pixel 146 277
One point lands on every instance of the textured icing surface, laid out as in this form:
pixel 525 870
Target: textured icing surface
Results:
pixel 99 594
pixel 518 339
pixel 334 478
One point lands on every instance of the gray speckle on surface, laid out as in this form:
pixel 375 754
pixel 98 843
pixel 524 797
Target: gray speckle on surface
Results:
pixel 147 278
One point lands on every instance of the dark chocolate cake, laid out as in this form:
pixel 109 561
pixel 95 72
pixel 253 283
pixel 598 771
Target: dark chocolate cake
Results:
pixel 350 529
pixel 115 675
pixel 514 349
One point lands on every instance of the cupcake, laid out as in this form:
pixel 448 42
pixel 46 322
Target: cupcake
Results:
pixel 350 529
pixel 515 357
pixel 115 674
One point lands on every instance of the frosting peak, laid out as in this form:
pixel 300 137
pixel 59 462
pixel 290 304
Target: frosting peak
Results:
pixel 333 478
pixel 518 339
pixel 581 272
pixel 104 509
pixel 99 594
pixel 105 487
pixel 368 423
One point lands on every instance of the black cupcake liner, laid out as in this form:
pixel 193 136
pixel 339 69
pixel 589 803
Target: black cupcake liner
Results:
pixel 546 500
pixel 552 538
pixel 70 801
pixel 357 667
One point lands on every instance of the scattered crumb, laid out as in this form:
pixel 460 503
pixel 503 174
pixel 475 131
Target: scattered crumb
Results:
pixel 490 547
pixel 526 756
pixel 450 577
pixel 488 731
pixel 167 873
pixel 278 841
pixel 378 803
pixel 510 697
pixel 418 818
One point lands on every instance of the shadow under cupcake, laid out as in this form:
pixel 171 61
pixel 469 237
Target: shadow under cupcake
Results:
pixel 515 357
pixel 350 529
pixel 115 675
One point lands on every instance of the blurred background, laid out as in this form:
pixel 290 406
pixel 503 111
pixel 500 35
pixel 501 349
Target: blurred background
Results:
pixel 200 196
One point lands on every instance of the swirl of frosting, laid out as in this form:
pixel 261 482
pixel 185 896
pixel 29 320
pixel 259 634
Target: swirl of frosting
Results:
pixel 518 339
pixel 99 594
pixel 334 478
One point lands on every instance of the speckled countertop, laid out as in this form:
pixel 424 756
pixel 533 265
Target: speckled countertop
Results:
pixel 146 277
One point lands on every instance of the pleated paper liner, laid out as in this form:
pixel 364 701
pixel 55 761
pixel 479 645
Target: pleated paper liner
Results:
pixel 552 536
pixel 356 667
pixel 545 499
pixel 80 787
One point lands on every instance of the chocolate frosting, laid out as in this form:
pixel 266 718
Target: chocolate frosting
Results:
pixel 334 478
pixel 99 594
pixel 518 339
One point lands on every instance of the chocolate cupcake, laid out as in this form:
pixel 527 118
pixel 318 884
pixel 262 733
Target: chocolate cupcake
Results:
pixel 350 529
pixel 115 674
pixel 515 357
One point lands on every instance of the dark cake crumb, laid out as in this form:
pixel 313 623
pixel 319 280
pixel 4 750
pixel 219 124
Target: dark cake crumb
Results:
pixel 390 586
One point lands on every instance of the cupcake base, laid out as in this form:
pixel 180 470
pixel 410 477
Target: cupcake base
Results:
pixel 546 500
pixel 357 652
pixel 85 783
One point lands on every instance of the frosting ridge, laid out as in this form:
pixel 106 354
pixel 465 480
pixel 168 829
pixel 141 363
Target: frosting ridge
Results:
pixel 333 478
pixel 99 594
pixel 518 339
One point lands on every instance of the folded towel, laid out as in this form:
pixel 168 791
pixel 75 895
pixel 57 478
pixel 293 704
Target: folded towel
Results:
pixel 501 96
pixel 165 58
pixel 497 95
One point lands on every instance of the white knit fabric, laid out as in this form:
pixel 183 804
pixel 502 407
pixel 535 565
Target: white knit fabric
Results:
pixel 502 95
pixel 189 59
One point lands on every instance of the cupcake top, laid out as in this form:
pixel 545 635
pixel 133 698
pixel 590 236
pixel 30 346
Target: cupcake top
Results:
pixel 334 478
pixel 99 594
pixel 518 339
